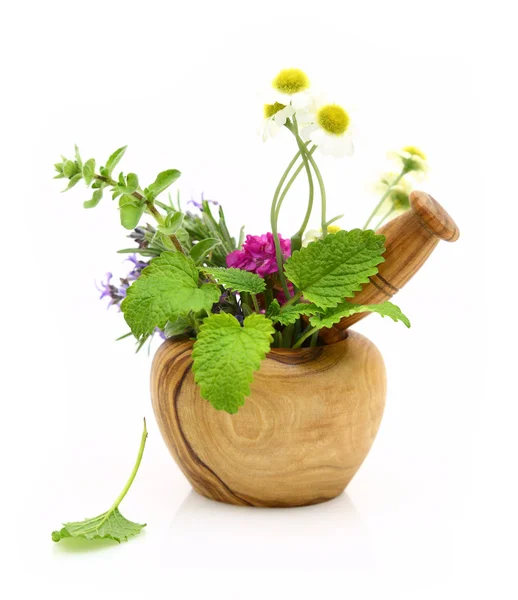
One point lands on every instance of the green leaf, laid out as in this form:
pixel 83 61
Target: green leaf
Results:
pixel 69 168
pixel 79 162
pixel 89 170
pixel 132 181
pixel 329 270
pixel 289 314
pixel 226 355
pixel 173 222
pixel 200 250
pixel 114 159
pixel 167 288
pixel 180 326
pixel 73 181
pixel 346 309
pixel 238 280
pixel 163 181
pixel 110 524
pixel 131 213
pixel 96 198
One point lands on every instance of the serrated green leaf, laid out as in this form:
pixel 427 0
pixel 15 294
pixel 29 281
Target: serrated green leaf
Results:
pixel 329 270
pixel 89 170
pixel 163 181
pixel 96 198
pixel 238 280
pixel 167 288
pixel 226 355
pixel 110 524
pixel 114 159
pixel 72 182
pixel 200 250
pixel 346 309
pixel 289 314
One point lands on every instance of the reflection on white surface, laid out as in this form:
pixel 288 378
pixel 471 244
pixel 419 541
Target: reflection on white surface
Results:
pixel 208 532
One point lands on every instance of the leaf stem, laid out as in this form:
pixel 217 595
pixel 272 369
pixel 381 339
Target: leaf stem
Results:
pixel 291 300
pixel 254 300
pixel 383 198
pixel 120 497
pixel 304 337
pixel 149 206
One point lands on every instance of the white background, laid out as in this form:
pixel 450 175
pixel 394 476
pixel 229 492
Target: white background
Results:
pixel 431 513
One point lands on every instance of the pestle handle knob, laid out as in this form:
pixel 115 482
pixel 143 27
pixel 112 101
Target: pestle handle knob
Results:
pixel 433 216
pixel 410 239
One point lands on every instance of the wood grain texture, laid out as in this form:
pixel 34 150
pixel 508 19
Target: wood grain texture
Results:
pixel 411 238
pixel 306 428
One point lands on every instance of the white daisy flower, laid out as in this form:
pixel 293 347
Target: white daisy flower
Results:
pixel 290 87
pixel 327 126
pixel 275 116
pixel 288 92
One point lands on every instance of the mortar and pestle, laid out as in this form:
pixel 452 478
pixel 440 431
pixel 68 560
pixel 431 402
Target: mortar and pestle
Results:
pixel 313 413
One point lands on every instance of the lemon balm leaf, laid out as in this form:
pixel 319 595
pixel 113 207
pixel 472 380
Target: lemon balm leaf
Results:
pixel 167 288
pixel 346 309
pixel 226 355
pixel 238 280
pixel 329 270
pixel 110 524
pixel 289 314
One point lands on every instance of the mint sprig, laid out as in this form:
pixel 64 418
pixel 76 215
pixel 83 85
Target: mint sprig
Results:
pixel 110 524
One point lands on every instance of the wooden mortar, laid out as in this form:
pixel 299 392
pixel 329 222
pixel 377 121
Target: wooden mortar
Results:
pixel 304 431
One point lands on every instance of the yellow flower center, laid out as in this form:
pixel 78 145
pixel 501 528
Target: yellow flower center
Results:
pixel 414 151
pixel 272 109
pixel 333 119
pixel 333 229
pixel 291 81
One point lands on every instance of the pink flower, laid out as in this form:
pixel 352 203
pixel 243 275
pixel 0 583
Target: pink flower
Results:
pixel 258 254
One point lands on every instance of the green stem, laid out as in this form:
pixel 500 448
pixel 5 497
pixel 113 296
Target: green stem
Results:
pixel 120 497
pixel 319 179
pixel 254 300
pixel 305 336
pixel 291 300
pixel 383 198
pixel 314 339
pixel 149 206
pixel 387 215
pixel 273 220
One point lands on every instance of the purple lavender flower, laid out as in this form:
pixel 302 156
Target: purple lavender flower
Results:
pixel 138 267
pixel 199 205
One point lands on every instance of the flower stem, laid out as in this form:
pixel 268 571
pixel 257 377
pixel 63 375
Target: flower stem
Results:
pixel 296 240
pixel 320 180
pixel 274 221
pixel 387 215
pixel 304 337
pixel 383 198
pixel 120 497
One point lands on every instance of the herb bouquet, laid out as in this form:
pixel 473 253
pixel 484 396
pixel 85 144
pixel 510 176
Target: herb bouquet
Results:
pixel 247 319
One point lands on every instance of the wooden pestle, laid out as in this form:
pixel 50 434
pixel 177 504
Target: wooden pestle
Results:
pixel 410 239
